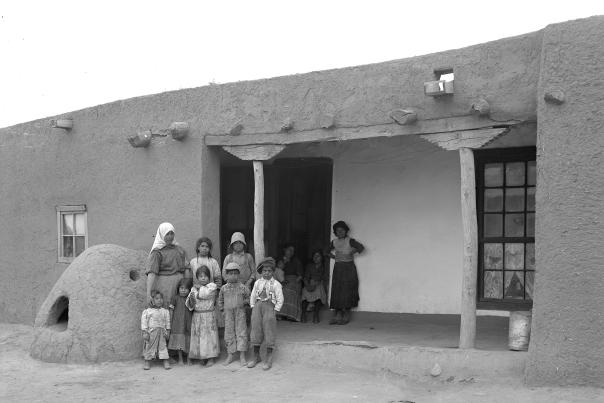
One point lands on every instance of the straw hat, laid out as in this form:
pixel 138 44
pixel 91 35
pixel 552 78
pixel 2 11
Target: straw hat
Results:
pixel 237 237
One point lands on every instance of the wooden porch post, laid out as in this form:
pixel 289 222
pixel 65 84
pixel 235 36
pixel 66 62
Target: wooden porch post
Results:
pixel 467 331
pixel 257 153
pixel 258 211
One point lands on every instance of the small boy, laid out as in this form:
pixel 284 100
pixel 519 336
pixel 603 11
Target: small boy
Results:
pixel 266 299
pixel 231 300
pixel 155 328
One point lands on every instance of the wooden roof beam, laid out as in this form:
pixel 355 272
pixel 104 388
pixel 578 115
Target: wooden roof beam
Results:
pixel 421 127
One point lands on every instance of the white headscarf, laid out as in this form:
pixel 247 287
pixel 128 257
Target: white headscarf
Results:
pixel 162 230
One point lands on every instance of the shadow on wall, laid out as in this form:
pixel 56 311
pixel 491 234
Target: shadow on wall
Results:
pixel 92 314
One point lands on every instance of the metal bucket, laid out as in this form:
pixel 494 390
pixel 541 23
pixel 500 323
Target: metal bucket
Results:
pixel 520 330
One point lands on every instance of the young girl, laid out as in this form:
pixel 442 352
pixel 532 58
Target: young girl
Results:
pixel 266 300
pixel 345 282
pixel 243 259
pixel 314 291
pixel 180 338
pixel 203 250
pixel 155 329
pixel 204 331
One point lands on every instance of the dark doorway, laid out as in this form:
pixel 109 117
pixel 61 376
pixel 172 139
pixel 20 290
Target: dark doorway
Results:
pixel 297 204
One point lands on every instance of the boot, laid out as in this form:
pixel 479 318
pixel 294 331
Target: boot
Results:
pixel 255 358
pixel 304 307
pixel 230 359
pixel 269 359
pixel 167 364
pixel 242 358
pixel 147 365
pixel 315 313
pixel 337 318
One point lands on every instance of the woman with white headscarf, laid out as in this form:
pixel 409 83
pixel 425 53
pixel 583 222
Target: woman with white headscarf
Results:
pixel 167 264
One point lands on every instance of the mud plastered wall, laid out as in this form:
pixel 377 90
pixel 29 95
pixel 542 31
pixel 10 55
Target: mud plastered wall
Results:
pixel 566 345
pixel 92 314
pixel 129 191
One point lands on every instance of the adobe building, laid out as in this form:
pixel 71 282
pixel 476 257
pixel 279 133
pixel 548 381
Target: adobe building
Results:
pixel 515 127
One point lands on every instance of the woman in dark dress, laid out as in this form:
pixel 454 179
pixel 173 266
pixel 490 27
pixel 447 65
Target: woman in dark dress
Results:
pixel 345 281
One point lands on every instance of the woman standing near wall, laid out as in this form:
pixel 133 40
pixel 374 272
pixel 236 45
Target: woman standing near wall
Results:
pixel 167 264
pixel 345 282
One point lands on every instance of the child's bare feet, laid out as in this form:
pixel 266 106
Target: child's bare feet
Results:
pixel 242 359
pixel 147 365
pixel 167 364
pixel 230 359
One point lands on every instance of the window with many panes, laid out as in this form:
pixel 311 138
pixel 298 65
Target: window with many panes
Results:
pixel 505 198
pixel 73 232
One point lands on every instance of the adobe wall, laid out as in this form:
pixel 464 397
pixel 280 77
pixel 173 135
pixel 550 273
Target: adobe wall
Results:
pixel 567 343
pixel 129 191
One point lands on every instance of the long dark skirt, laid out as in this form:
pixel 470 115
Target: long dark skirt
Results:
pixel 344 286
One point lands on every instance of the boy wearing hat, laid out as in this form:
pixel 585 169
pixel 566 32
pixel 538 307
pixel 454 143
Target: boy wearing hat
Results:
pixel 266 299
pixel 231 300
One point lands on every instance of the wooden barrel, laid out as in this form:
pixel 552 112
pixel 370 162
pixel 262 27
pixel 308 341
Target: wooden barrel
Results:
pixel 520 330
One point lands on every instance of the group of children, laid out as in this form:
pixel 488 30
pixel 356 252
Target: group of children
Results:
pixel 189 324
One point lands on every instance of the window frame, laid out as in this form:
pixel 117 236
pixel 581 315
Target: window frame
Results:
pixel 61 211
pixel 493 156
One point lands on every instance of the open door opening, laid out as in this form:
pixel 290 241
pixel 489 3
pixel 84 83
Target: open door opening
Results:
pixel 297 205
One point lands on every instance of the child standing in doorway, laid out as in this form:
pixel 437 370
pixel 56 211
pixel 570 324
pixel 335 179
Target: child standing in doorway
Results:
pixel 155 328
pixel 345 281
pixel 204 330
pixel 180 338
pixel 266 300
pixel 232 300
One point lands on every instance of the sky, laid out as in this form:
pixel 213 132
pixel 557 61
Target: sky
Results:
pixel 59 56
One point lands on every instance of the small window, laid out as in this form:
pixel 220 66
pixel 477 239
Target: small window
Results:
pixel 72 232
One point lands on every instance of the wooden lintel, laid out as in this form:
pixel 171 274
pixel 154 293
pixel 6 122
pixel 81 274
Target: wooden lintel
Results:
pixel 444 125
pixel 255 152
pixel 471 139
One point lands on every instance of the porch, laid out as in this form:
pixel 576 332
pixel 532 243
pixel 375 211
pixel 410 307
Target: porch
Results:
pixel 405 344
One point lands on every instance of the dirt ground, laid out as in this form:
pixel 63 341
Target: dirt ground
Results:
pixel 25 379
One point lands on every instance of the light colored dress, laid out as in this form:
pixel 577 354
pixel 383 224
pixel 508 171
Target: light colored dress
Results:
pixel 204 330
pixel 215 277
pixel 212 264
pixel 156 322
